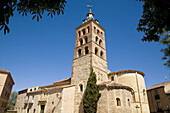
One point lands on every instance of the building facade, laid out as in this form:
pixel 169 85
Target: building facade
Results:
pixel 159 98
pixel 121 92
pixel 6 84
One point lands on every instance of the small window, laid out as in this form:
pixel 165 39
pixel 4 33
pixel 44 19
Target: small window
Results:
pixel 98 31
pixel 118 102
pixel 100 42
pixel 88 29
pixel 79 33
pixel 30 89
pixel 34 89
pixel 101 54
pixel 81 42
pixel 102 33
pixel 81 87
pixel 128 102
pixel 86 50
pixel 96 51
pixel 84 31
pixel 2 104
pixel 34 110
pixel 112 78
pixel 52 102
pixel 97 38
pixel 159 107
pixel 79 52
pixel 86 39
pixel 94 28
pixel 156 92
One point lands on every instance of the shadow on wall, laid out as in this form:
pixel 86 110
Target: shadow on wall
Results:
pixel 81 110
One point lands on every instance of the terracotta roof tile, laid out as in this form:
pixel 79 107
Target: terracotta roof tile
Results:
pixel 126 71
pixel 158 85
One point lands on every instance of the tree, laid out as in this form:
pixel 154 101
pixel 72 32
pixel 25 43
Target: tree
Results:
pixel 12 100
pixel 155 22
pixel 91 95
pixel 34 7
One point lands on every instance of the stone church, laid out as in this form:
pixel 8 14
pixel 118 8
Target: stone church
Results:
pixel 121 91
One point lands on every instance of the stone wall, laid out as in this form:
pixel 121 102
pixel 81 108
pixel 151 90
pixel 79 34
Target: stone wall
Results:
pixel 135 81
pixel 108 103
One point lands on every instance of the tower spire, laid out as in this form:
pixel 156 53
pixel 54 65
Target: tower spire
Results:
pixel 90 15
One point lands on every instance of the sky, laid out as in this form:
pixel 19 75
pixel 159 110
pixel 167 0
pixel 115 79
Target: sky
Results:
pixel 40 53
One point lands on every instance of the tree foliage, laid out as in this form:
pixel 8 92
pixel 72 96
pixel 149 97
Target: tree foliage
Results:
pixel 34 7
pixel 91 95
pixel 12 100
pixel 155 22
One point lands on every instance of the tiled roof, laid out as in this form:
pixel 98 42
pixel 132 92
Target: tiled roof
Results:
pixel 110 83
pixel 7 72
pixel 66 81
pixel 63 86
pixel 126 71
pixel 115 85
pixel 158 85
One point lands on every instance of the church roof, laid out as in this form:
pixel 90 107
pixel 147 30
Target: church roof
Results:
pixel 9 74
pixel 62 82
pixel 158 85
pixel 3 70
pixel 112 84
pixel 126 71
pixel 63 86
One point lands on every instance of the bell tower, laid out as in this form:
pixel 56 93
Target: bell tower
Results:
pixel 89 52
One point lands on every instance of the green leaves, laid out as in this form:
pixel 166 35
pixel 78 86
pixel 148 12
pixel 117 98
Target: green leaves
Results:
pixel 6 7
pixel 91 95
pixel 12 101
pixel 155 22
pixel 33 7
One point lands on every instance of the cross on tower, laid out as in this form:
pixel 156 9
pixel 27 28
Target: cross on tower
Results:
pixel 90 4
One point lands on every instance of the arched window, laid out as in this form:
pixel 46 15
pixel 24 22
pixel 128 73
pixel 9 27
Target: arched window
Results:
pixel 86 39
pixel 81 42
pixel 101 54
pixel 79 33
pixel 94 28
pixel 118 102
pixel 97 38
pixel 112 78
pixel 101 33
pixel 96 50
pixel 81 87
pixel 98 31
pixel 86 50
pixel 84 31
pixel 79 52
pixel 88 29
pixel 100 42
pixel 128 102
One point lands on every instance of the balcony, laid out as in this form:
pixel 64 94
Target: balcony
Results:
pixel 157 97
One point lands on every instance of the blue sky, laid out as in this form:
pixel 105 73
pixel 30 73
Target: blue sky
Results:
pixel 40 53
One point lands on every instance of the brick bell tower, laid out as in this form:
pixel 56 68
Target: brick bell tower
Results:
pixel 89 52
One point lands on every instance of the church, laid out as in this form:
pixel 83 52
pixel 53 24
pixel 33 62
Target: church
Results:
pixel 121 91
